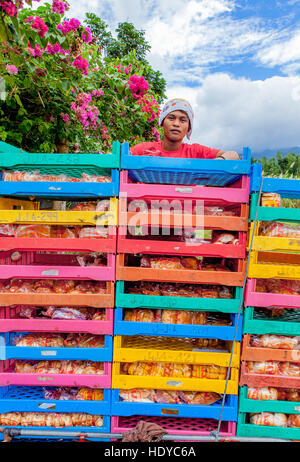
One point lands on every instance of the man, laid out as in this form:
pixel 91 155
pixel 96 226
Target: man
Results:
pixel 177 119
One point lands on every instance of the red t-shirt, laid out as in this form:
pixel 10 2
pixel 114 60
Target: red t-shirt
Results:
pixel 186 150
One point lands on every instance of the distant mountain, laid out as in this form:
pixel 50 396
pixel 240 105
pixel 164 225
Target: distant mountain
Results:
pixel 272 152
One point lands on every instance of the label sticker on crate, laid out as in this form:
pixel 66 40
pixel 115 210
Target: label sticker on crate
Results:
pixel 49 353
pixel 47 406
pixel 169 412
pixel 174 384
pixel 50 273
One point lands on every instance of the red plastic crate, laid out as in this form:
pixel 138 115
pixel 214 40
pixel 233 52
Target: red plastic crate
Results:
pixel 108 245
pixel 131 245
pixel 266 380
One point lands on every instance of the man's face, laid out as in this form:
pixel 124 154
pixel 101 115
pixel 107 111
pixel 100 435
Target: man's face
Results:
pixel 176 125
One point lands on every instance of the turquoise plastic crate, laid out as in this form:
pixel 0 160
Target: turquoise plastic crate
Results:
pixel 272 213
pixel 13 158
pixel 162 170
pixel 257 322
pixel 247 406
pixel 177 303
pixel 122 327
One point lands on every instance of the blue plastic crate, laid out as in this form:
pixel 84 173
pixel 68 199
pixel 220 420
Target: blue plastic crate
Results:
pixel 162 170
pixel 17 398
pixel 287 188
pixel 9 351
pixel 124 408
pixel 60 190
pixel 122 327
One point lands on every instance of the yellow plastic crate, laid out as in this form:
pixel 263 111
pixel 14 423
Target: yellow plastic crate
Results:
pixel 58 217
pixel 123 381
pixel 171 349
pixel 266 243
pixel 16 204
pixel 274 265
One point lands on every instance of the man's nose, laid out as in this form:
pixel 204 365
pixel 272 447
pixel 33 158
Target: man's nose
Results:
pixel 176 122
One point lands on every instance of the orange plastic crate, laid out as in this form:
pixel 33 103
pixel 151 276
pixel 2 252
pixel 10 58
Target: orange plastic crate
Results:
pixel 250 353
pixel 132 273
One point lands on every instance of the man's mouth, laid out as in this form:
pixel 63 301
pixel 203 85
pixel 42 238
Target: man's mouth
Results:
pixel 175 131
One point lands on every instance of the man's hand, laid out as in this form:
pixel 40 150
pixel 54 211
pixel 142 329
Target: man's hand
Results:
pixel 230 155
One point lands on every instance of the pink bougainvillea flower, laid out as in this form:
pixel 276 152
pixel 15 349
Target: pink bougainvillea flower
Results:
pixel 59 7
pixel 56 48
pixel 82 64
pixel 69 26
pixel 97 92
pixel 138 85
pixel 38 24
pixel 65 117
pixel 87 35
pixel 9 8
pixel 11 69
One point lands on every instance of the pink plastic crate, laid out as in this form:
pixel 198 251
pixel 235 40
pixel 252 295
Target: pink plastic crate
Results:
pixel 9 322
pixel 44 266
pixel 175 425
pixel 9 377
pixel 235 193
pixel 253 298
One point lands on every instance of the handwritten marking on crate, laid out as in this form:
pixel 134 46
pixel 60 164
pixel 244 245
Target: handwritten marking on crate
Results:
pixel 37 216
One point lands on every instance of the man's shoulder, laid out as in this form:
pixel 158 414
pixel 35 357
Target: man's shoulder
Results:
pixel 145 147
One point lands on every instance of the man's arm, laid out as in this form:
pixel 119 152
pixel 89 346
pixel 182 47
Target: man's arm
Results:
pixel 230 155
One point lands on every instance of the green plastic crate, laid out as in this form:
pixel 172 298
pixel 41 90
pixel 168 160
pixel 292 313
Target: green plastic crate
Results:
pixel 124 300
pixel 12 158
pixel 257 322
pixel 256 406
pixel 272 213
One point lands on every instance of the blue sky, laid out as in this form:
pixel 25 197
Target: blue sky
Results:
pixel 236 61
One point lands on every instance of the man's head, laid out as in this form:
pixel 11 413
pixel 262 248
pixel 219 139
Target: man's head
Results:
pixel 177 119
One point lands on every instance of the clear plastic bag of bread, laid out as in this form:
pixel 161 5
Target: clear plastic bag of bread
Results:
pixel 93 232
pixel 269 419
pixel 263 394
pixel 139 315
pixel 277 229
pixel 263 367
pixel 8 230
pixel 212 371
pixel 165 263
pixel 209 343
pixel 33 231
pixel 202 398
pixel 176 317
pixel 91 341
pixel 167 397
pixel 275 341
pixel 139 395
pixel 11 419
pixel 290 369
pixel 294 421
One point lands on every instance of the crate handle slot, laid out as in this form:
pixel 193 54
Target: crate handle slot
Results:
pixel 174 384
pixel 47 406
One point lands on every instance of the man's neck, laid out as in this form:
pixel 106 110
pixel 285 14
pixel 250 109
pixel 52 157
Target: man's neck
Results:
pixel 169 145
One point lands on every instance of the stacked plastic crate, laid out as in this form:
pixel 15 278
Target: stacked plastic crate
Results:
pixel 270 372
pixel 167 371
pixel 57 289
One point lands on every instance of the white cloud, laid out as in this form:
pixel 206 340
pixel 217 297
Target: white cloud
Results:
pixel 232 113
pixel 282 52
